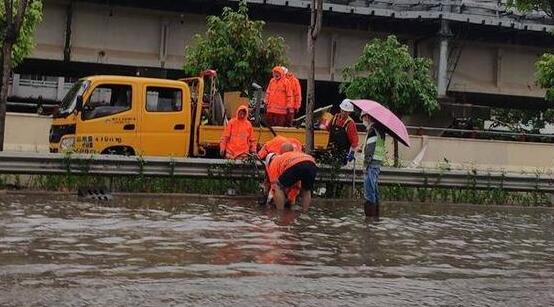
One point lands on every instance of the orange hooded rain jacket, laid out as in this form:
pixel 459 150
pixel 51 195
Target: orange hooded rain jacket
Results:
pixel 278 96
pixel 296 91
pixel 238 136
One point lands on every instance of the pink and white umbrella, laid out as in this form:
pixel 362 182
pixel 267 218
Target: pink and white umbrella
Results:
pixel 395 127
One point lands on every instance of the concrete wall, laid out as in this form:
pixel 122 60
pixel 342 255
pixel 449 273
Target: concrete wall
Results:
pixel 138 37
pixel 426 151
pixel 456 153
pixel 27 132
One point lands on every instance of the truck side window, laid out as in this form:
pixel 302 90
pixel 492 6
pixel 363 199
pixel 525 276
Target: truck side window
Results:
pixel 163 99
pixel 108 99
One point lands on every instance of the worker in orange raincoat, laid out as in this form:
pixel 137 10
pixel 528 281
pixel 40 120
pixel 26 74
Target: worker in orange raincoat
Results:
pixel 278 99
pixel 286 169
pixel 274 146
pixel 296 95
pixel 238 137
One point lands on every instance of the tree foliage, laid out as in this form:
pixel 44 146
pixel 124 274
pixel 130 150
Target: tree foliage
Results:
pixel 546 6
pixel 545 75
pixel 386 72
pixel 236 48
pixel 522 121
pixel 24 43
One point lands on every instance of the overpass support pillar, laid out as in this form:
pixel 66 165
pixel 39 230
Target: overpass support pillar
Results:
pixel 60 89
pixel 442 75
pixel 15 85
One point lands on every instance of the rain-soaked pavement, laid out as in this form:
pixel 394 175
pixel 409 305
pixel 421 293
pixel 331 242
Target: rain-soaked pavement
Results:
pixel 168 251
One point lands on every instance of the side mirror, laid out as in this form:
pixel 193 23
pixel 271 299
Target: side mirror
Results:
pixel 79 104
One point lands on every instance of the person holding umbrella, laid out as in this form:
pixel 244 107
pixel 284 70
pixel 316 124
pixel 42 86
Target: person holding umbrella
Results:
pixel 378 120
pixel 374 153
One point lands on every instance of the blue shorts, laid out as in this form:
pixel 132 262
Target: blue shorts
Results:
pixel 371 188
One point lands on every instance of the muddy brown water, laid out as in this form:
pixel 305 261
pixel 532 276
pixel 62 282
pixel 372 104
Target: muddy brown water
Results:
pixel 166 251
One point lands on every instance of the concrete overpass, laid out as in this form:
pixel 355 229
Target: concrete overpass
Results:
pixel 483 53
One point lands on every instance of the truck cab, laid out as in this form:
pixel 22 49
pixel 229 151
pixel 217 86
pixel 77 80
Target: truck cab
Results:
pixel 124 115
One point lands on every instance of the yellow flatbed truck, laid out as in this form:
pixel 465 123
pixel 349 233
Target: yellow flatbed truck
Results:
pixel 144 116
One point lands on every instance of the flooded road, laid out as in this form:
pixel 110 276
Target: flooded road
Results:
pixel 176 252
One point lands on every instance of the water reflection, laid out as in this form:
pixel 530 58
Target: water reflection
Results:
pixel 171 251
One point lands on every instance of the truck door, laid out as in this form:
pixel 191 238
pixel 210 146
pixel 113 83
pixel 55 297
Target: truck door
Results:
pixel 108 121
pixel 165 120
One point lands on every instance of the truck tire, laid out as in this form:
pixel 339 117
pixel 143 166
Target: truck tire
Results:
pixel 119 150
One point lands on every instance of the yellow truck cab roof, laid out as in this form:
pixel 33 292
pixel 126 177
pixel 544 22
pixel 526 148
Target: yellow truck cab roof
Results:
pixel 96 78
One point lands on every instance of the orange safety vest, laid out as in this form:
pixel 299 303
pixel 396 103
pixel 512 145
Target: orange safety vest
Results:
pixel 282 163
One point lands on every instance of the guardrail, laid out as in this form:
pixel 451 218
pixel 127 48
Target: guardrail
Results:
pixel 103 165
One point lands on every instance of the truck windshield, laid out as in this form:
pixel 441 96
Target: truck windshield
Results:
pixel 68 102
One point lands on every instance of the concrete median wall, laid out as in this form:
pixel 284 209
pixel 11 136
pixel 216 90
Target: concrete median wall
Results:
pixel 29 133
pixel 457 153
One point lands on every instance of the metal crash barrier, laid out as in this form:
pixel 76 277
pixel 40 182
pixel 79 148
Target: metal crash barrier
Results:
pixel 106 165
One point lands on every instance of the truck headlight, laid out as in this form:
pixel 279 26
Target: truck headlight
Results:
pixel 67 143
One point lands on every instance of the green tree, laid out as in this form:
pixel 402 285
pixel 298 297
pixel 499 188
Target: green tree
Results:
pixel 235 46
pixel 386 72
pixel 546 6
pixel 18 20
pixel 545 75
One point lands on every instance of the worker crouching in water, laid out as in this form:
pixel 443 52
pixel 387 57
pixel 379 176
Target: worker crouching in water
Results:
pixel 238 137
pixel 374 154
pixel 274 146
pixel 288 169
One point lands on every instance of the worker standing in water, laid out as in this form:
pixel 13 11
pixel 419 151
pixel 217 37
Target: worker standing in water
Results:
pixel 238 137
pixel 374 154
pixel 289 168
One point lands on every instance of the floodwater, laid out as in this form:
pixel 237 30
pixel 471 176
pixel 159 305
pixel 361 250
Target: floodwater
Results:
pixel 178 252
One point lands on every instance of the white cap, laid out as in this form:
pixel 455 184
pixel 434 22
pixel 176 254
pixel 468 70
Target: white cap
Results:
pixel 346 105
pixel 285 70
pixel 268 158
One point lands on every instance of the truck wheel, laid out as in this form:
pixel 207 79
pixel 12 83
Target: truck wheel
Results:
pixel 121 151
